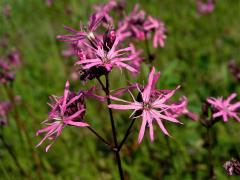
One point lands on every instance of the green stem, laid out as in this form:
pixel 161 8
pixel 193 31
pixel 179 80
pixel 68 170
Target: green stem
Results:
pixel 210 156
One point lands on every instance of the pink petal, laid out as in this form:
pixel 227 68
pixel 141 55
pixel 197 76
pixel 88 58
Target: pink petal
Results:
pixel 120 64
pixel 75 115
pixel 225 119
pixel 65 95
pixel 142 129
pixel 234 106
pixel 160 123
pixel 151 132
pixel 88 61
pixel 217 114
pixel 124 107
pixel 147 90
pixel 74 99
pixel 79 124
pixel 230 98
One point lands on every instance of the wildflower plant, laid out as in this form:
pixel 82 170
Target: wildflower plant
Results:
pixel 100 47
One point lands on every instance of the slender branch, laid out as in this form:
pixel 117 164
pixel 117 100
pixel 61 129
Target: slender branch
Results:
pixel 100 137
pixel 126 134
pixel 102 85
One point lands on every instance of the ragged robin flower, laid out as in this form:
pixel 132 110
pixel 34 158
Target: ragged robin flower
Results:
pixel 152 106
pixel 67 110
pixel 224 108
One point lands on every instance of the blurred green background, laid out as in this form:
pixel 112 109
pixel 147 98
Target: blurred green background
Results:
pixel 197 51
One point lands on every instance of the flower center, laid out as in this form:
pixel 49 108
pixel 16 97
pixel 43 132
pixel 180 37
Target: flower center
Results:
pixel 105 59
pixel 147 106
pixel 90 36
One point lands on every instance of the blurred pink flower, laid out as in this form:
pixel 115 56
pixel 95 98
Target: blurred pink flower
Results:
pixel 132 25
pixel 151 106
pixel 7 9
pixel 8 65
pixel 5 107
pixel 159 29
pixel 6 74
pixel 223 108
pixel 66 110
pixel 205 7
pixel 49 2
pixel 180 109
pixel 14 58
pixel 104 10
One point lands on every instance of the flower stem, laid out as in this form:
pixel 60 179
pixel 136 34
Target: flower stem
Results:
pixel 149 54
pixel 210 157
pixel 106 89
pixel 100 137
pixel 126 134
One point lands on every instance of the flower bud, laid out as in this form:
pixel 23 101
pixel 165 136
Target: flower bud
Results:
pixel 109 39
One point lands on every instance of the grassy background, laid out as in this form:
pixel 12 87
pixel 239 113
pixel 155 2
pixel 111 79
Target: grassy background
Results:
pixel 196 55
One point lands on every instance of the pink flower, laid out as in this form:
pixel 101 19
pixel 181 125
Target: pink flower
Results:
pixel 180 109
pixel 5 107
pixel 14 58
pixel 49 2
pixel 159 29
pixel 7 66
pixel 205 8
pixel 84 33
pixel 110 59
pixel 6 73
pixel 66 110
pixel 223 108
pixel 152 106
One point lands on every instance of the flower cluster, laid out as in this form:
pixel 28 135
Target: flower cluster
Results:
pixel 99 48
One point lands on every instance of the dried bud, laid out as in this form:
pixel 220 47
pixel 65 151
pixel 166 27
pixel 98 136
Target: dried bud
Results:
pixel 232 167
pixel 93 72
pixel 3 122
pixel 205 108
pixel 234 69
